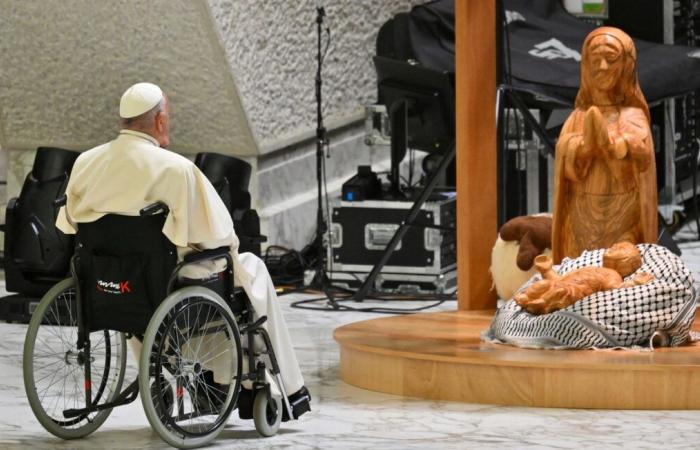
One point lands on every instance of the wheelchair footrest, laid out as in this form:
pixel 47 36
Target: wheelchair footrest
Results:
pixel 128 395
pixel 300 402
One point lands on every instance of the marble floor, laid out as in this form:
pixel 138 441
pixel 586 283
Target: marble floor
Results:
pixel 345 417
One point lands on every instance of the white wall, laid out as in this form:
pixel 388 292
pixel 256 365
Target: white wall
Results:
pixel 65 63
pixel 271 48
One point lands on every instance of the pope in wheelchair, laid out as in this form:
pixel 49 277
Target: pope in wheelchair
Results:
pixel 157 261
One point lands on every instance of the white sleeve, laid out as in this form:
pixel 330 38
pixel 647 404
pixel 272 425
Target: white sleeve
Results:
pixel 197 216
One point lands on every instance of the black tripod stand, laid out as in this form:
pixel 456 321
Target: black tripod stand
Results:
pixel 320 280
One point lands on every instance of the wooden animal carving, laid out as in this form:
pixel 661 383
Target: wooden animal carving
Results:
pixel 556 291
pixel 519 241
pixel 605 174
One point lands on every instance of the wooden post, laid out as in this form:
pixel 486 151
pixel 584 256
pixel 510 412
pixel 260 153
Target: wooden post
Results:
pixel 475 22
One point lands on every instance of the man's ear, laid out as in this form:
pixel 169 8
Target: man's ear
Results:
pixel 158 121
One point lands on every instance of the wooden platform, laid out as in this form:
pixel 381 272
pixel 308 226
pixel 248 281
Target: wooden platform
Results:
pixel 440 356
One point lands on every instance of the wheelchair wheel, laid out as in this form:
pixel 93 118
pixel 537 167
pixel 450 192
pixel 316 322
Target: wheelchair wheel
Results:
pixel 267 413
pixel 192 346
pixel 54 376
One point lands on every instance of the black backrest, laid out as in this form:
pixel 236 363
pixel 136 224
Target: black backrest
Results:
pixel 124 264
pixel 229 175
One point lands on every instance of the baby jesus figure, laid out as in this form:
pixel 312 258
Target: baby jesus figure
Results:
pixel 556 291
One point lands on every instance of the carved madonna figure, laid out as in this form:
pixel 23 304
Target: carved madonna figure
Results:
pixel 605 175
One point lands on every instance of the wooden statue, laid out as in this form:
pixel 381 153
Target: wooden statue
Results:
pixel 556 291
pixel 605 175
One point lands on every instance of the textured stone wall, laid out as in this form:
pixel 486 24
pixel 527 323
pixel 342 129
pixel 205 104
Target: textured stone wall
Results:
pixel 65 63
pixel 271 47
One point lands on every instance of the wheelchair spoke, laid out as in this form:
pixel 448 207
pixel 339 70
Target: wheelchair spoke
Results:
pixel 57 370
pixel 190 337
pixel 223 352
pixel 201 324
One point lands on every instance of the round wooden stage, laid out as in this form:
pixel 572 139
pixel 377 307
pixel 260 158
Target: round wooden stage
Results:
pixel 440 356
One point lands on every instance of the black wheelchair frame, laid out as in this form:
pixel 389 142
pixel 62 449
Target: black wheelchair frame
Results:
pixel 235 298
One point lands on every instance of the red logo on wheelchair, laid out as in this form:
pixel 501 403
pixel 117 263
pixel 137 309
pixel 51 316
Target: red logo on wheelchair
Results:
pixel 114 287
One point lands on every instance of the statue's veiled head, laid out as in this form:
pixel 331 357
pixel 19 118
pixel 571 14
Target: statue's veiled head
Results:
pixel 609 65
pixel 605 62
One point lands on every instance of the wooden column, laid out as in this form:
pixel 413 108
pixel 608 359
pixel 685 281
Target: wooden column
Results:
pixel 475 22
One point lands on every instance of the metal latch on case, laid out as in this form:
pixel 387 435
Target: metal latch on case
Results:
pixel 378 235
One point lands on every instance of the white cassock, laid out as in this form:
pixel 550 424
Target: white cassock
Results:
pixel 131 172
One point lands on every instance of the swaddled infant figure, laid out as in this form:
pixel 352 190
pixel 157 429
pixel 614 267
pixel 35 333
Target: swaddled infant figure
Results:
pixel 555 291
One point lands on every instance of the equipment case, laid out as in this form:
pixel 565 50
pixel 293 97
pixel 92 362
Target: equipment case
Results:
pixel 425 259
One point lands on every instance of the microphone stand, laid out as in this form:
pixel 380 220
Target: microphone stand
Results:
pixel 320 278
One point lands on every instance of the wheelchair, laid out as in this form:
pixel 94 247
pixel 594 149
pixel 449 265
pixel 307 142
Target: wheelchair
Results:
pixel 125 283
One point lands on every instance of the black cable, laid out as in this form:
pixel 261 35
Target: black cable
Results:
pixel 508 111
pixel 285 267
pixel 323 58
pixel 327 283
pixel 328 44
pixel 348 293
pixel 690 35
pixel 302 304
pixel 694 201
pixel 411 158
pixel 519 155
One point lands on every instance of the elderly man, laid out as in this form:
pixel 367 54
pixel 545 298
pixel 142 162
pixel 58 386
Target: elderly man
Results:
pixel 134 171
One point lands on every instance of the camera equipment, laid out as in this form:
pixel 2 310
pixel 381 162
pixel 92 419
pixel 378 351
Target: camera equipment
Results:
pixel 421 107
pixel 363 186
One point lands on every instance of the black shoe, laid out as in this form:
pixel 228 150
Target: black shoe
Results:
pixel 208 395
pixel 300 401
pixel 245 404
pixel 165 402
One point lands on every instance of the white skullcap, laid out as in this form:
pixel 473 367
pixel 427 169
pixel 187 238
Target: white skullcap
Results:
pixel 138 99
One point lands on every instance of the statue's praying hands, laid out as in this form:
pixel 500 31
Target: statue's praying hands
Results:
pixel 555 292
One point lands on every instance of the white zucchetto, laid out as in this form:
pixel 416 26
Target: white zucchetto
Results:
pixel 138 99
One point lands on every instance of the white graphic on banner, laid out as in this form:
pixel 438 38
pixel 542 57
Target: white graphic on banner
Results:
pixel 554 49
pixel 512 16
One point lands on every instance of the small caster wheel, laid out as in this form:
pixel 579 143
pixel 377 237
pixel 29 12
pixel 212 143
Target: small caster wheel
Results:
pixel 267 413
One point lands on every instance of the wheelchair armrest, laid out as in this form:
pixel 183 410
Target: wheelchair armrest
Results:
pixel 253 239
pixel 207 254
pixel 154 208
pixel 60 201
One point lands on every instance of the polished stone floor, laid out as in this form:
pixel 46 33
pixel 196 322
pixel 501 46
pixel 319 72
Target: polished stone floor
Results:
pixel 345 417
